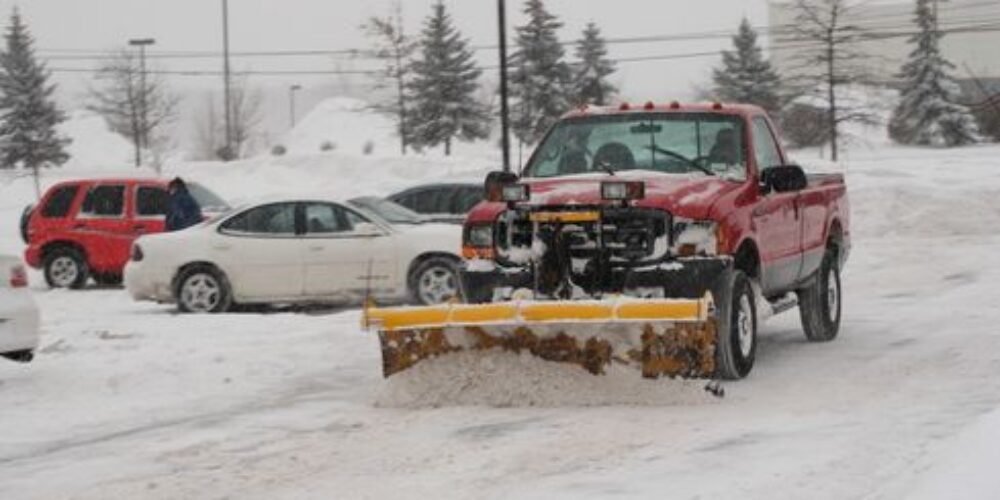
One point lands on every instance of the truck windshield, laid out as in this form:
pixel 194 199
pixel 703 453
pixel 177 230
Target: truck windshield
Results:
pixel 703 143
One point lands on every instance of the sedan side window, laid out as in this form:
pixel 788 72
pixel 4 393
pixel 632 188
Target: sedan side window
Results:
pixel 104 201
pixel 324 218
pixel 467 198
pixel 271 220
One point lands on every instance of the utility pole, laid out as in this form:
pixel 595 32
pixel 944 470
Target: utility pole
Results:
pixel 291 101
pixel 227 102
pixel 142 134
pixel 504 110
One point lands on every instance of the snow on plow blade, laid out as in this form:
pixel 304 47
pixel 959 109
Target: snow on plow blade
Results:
pixel 661 337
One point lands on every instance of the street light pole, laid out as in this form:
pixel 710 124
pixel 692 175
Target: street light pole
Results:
pixel 142 135
pixel 291 101
pixel 226 81
pixel 504 111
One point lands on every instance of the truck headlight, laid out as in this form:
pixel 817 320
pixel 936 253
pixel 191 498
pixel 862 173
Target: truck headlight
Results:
pixel 695 237
pixel 620 191
pixel 480 235
pixel 513 193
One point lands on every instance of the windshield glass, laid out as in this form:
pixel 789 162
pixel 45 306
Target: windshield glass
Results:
pixel 207 200
pixel 703 143
pixel 388 210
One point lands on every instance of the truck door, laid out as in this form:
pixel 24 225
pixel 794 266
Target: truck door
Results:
pixel 778 219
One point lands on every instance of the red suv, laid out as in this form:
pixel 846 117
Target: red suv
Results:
pixel 84 229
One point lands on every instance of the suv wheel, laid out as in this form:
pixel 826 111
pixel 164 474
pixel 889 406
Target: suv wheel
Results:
pixel 66 268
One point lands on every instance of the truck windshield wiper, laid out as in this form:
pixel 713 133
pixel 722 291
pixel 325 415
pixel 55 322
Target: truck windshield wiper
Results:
pixel 691 163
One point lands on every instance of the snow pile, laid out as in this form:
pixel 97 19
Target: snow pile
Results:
pixel 349 125
pixel 502 379
pixel 95 146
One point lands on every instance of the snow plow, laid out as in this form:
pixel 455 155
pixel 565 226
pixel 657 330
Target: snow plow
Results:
pixel 665 337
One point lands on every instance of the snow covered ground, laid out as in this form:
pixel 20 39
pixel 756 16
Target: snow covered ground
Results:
pixel 130 400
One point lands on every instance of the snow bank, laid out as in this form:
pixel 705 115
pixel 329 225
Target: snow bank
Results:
pixel 502 379
pixel 95 146
pixel 348 124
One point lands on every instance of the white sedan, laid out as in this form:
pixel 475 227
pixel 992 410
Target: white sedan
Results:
pixel 18 313
pixel 296 251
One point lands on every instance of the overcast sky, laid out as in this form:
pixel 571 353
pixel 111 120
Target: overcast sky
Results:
pixel 194 25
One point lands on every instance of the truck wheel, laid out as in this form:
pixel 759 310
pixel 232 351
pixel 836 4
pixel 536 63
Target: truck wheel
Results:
pixel 25 220
pixel 66 268
pixel 202 289
pixel 820 303
pixel 736 348
pixel 435 281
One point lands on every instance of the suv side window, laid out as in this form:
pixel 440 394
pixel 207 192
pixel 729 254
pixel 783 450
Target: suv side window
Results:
pixel 766 151
pixel 60 202
pixel 151 201
pixel 104 201
pixel 270 220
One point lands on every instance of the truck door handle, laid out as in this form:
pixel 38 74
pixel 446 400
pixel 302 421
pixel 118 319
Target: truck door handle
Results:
pixel 140 228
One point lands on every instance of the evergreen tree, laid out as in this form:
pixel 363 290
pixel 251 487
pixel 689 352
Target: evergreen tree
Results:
pixel 928 112
pixel 28 114
pixel 445 81
pixel 540 82
pixel 591 73
pixel 745 76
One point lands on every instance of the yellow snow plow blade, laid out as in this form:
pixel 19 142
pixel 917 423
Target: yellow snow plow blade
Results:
pixel 661 337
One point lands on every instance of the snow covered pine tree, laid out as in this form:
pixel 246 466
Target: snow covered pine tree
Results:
pixel 540 84
pixel 28 114
pixel 443 88
pixel 591 84
pixel 928 112
pixel 745 76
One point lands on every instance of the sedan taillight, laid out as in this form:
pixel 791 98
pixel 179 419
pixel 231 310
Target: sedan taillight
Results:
pixel 18 277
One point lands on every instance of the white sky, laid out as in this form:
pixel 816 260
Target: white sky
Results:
pixel 194 25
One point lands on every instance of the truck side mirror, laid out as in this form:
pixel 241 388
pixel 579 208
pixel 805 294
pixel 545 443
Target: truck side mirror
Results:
pixel 783 179
pixel 495 181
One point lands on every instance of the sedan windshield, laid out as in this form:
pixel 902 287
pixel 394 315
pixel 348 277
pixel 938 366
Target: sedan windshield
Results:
pixel 702 143
pixel 388 210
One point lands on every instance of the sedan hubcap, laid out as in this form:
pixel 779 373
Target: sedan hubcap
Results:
pixel 437 285
pixel 64 271
pixel 744 326
pixel 201 293
pixel 832 296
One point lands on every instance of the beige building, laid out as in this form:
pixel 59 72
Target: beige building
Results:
pixel 971 42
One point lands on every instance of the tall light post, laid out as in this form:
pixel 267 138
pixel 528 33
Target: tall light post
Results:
pixel 504 111
pixel 142 134
pixel 226 81
pixel 291 101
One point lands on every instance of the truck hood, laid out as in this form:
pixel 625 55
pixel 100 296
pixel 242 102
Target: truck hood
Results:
pixel 684 195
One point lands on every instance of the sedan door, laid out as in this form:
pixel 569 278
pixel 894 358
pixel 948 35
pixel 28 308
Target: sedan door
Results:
pixel 261 249
pixel 347 255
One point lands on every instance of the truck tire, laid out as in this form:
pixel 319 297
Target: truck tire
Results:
pixel 65 267
pixel 821 302
pixel 736 348
pixel 202 289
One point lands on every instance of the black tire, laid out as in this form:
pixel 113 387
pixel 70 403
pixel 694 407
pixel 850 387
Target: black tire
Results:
pixel 440 274
pixel 736 311
pixel 821 303
pixel 66 267
pixel 108 279
pixel 25 219
pixel 203 289
pixel 25 356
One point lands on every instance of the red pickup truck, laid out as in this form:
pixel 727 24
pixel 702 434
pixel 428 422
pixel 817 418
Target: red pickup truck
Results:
pixel 666 201
pixel 85 228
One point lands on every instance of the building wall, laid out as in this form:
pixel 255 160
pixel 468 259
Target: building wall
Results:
pixel 892 21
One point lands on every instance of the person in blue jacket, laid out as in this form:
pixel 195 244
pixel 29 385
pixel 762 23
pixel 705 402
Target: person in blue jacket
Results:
pixel 182 209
